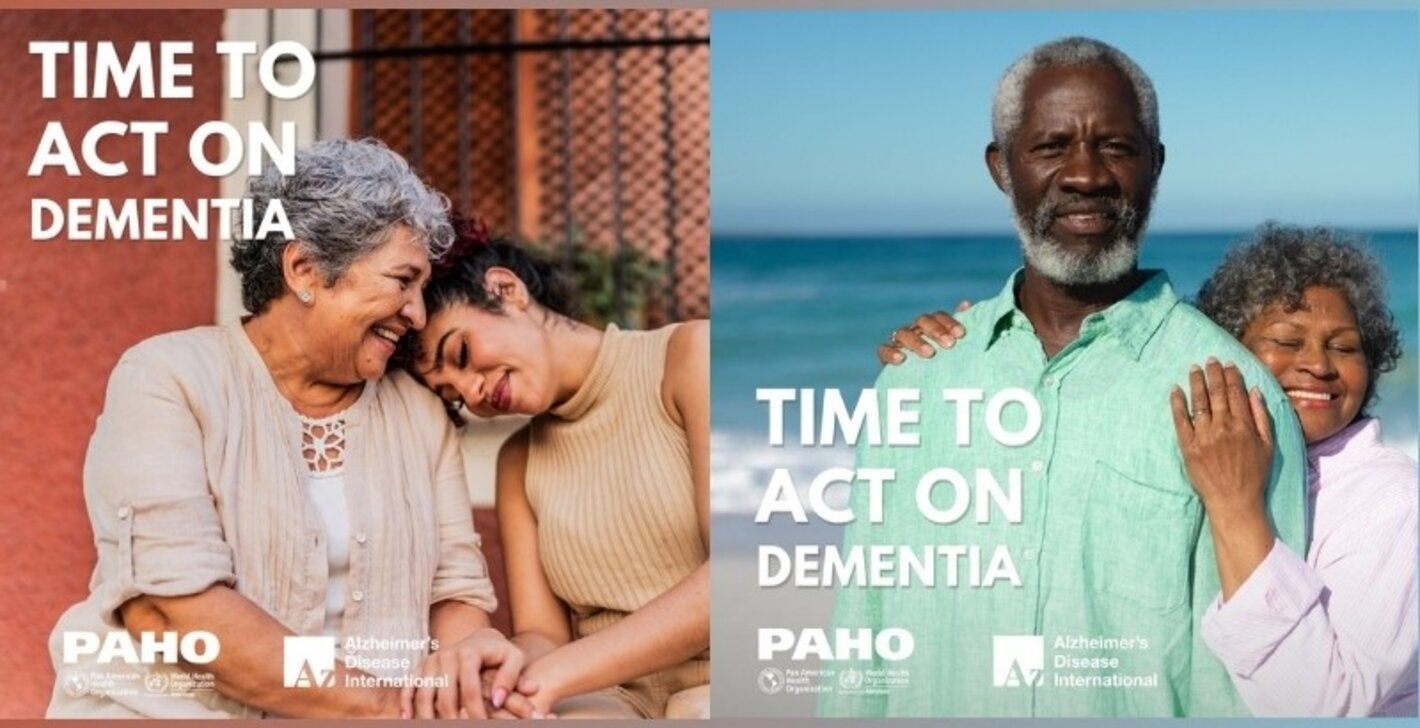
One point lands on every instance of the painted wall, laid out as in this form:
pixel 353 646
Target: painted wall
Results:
pixel 69 309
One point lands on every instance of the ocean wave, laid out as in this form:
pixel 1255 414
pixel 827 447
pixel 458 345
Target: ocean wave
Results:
pixel 757 292
pixel 742 465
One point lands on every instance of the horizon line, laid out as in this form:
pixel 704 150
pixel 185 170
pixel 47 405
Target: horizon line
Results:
pixel 796 234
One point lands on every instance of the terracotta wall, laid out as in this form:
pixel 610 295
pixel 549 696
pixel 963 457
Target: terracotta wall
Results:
pixel 68 309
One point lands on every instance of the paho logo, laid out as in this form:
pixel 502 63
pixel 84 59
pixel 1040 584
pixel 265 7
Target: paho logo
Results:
pixel 197 647
pixel 1017 661
pixel 308 662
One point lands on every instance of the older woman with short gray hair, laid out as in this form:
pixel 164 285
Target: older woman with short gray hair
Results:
pixel 346 195
pixel 266 480
pixel 1333 631
pixel 1277 267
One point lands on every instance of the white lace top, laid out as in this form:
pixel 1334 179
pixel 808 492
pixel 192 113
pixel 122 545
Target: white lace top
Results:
pixel 323 447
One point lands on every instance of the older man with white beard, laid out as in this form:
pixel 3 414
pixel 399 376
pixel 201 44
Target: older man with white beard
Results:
pixel 1111 576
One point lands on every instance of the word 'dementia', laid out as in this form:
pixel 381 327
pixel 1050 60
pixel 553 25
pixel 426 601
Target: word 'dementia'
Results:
pixel 891 644
pixel 153 219
pixel 881 565
pixel 198 647
pixel 105 148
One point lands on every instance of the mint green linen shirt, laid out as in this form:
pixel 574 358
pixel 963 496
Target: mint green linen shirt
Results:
pixel 1112 544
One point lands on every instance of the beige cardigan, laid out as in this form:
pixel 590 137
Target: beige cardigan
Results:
pixel 193 479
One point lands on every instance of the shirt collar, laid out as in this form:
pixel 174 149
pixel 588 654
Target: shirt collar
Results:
pixel 1133 320
pixel 1343 448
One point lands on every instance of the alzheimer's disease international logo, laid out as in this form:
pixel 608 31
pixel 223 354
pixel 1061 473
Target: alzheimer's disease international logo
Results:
pixel 1017 661
pixel 309 662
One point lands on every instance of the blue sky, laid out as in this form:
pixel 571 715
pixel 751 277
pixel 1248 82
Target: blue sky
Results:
pixel 859 122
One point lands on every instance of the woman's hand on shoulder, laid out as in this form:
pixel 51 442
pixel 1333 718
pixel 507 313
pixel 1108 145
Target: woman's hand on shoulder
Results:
pixel 1225 438
pixel 938 326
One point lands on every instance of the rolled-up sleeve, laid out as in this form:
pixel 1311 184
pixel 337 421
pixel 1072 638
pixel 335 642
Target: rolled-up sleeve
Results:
pixel 1264 611
pixel 155 521
pixel 1330 640
pixel 462 572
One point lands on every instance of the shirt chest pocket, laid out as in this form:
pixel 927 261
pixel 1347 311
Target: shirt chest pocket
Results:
pixel 1138 541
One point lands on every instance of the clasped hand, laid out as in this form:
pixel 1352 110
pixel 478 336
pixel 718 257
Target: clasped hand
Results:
pixel 483 678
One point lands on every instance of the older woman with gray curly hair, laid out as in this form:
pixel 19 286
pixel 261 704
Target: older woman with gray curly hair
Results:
pixel 1333 633
pixel 251 483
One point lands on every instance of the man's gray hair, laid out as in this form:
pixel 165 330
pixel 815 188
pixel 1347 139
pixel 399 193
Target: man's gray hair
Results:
pixel 1008 106
pixel 343 201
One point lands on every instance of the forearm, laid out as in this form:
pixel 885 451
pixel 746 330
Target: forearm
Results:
pixel 1291 652
pixel 535 644
pixel 669 630
pixel 1344 683
pixel 450 621
pixel 1242 538
pixel 249 666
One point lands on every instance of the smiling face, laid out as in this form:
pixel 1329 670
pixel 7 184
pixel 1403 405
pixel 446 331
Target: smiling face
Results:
pixel 1081 173
pixel 494 362
pixel 1315 353
pixel 359 318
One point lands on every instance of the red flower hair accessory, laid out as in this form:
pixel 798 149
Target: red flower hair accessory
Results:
pixel 470 234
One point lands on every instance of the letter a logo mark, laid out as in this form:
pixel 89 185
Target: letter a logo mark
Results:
pixel 1017 660
pixel 308 662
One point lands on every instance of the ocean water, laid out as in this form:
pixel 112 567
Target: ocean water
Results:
pixel 810 312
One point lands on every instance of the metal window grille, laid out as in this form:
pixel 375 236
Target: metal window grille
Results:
pixel 558 126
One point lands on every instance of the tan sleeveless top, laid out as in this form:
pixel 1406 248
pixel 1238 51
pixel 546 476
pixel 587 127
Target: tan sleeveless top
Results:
pixel 609 480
